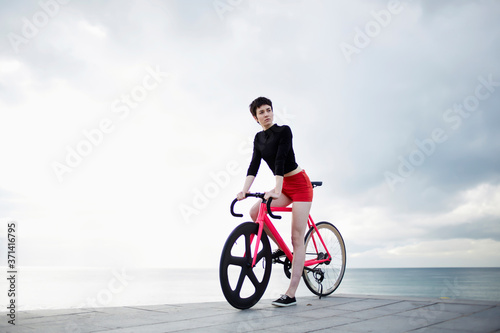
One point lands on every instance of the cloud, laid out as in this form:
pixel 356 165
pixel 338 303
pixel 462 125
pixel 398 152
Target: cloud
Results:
pixel 352 121
pixel 430 253
pixel 481 229
pixel 396 93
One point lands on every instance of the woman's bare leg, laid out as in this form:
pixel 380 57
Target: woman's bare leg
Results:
pixel 300 215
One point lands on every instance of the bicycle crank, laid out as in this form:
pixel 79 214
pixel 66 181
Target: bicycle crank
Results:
pixel 287 266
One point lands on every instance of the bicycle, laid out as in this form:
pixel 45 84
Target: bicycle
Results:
pixel 246 259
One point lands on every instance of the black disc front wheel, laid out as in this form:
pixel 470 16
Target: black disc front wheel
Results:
pixel 242 284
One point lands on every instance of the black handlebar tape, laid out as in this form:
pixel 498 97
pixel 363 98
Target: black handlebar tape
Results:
pixel 232 209
pixel 269 210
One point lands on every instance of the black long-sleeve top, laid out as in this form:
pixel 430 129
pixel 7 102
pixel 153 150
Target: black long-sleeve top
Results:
pixel 274 145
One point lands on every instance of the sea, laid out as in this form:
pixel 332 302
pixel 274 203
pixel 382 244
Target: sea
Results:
pixel 58 288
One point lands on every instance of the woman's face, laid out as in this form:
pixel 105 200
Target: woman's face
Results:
pixel 264 116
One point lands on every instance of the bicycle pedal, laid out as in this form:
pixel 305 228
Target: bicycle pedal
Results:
pixel 278 261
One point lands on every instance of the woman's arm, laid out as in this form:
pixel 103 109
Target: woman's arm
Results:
pixel 279 185
pixel 277 189
pixel 246 187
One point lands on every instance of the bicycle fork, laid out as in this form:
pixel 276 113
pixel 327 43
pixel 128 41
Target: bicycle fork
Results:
pixel 260 217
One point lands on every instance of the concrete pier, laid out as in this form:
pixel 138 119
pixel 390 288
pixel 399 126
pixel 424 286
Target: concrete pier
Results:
pixel 339 313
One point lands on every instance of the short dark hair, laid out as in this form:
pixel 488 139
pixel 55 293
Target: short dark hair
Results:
pixel 258 102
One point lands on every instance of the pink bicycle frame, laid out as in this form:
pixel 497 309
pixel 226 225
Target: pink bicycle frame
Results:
pixel 262 219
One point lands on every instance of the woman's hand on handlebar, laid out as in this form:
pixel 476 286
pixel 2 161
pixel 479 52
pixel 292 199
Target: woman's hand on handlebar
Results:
pixel 271 194
pixel 241 196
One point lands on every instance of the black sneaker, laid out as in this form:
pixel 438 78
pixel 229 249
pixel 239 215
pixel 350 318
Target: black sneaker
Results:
pixel 285 300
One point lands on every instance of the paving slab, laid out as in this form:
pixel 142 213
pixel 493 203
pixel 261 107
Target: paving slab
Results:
pixel 339 313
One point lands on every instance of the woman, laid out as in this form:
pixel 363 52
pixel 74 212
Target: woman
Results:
pixel 274 145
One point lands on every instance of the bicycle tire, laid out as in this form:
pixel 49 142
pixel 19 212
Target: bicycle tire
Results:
pixel 243 285
pixel 333 271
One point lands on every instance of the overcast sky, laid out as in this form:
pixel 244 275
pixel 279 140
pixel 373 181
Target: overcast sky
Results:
pixel 125 131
